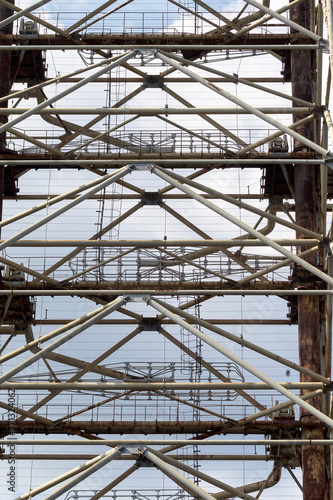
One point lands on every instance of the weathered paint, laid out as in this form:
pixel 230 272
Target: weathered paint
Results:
pixel 315 483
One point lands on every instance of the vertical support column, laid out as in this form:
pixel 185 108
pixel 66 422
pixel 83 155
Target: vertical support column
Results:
pixel 5 64
pixel 315 481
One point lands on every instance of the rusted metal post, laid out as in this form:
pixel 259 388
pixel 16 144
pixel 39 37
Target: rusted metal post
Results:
pixel 5 65
pixel 315 480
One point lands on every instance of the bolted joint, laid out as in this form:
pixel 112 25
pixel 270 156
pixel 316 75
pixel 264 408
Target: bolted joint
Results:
pixel 150 324
pixel 151 198
pixel 327 245
pixel 153 82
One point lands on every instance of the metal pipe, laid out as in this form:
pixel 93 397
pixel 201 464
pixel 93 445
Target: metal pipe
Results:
pixel 20 135
pixel 274 267
pixel 63 477
pixel 243 105
pixel 168 243
pixel 279 407
pixel 51 201
pixel 83 475
pixel 328 119
pixel 178 478
pixel 126 46
pixel 151 386
pixel 270 137
pixel 97 235
pixel 90 15
pixel 103 263
pixel 103 182
pixel 64 93
pixel 274 385
pixel 103 134
pixel 104 312
pixel 210 368
pixel 31 272
pixel 221 161
pixel 286 21
pixel 272 479
pixel 103 16
pixel 49 336
pixel 116 481
pixel 264 19
pixel 36 19
pixel 172 442
pixel 41 109
pixel 204 477
pixel 241 204
pixel 246 227
pixel 236 79
pixel 85 456
pixel 57 79
pixel 245 343
pixel 22 12
pixel 146 292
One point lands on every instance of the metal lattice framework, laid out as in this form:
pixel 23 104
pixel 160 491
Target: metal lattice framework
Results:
pixel 168 299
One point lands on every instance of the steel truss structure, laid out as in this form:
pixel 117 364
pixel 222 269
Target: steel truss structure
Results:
pixel 169 297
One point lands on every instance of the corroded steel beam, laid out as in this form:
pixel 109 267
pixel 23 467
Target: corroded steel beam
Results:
pixel 5 85
pixel 151 427
pixel 315 481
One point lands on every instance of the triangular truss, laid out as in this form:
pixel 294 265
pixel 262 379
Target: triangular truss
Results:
pixel 150 301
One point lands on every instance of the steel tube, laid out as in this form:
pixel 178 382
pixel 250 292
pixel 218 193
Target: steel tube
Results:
pixel 172 442
pixel 194 161
pixel 244 342
pixel 237 79
pixel 103 263
pixel 105 181
pixel 242 204
pixel 52 201
pixel 90 367
pixel 165 243
pixel 274 385
pixel 27 270
pixel 127 46
pixel 244 105
pixel 83 475
pixel 245 227
pixel 178 478
pixel 266 18
pixel 152 291
pixel 280 406
pixel 58 78
pixel 49 336
pixel 63 477
pixel 41 109
pixel 328 119
pixel 210 368
pixel 270 137
pixel 204 477
pixel 86 456
pixel 22 12
pixel 90 15
pixel 286 21
pixel 274 267
pixel 64 93
pixel 97 235
pixel 151 386
pixel 104 312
